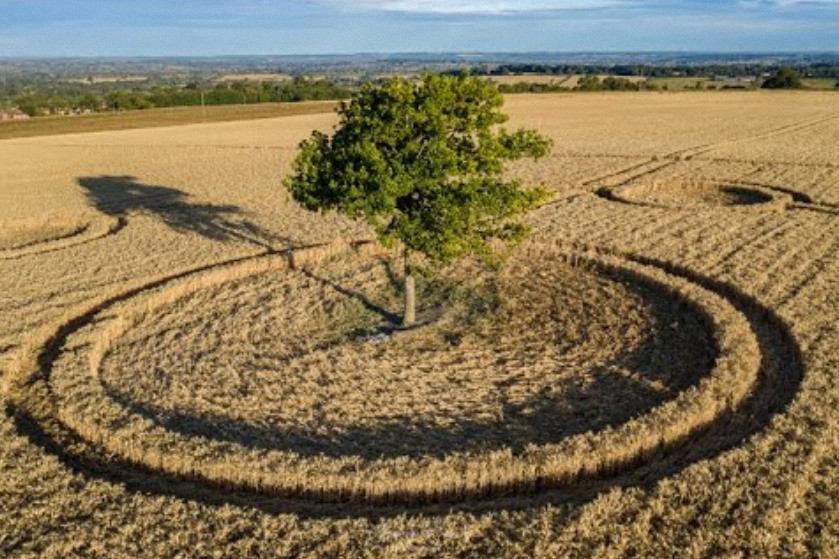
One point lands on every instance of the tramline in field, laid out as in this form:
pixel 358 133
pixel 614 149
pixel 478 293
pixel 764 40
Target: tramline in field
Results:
pixel 183 344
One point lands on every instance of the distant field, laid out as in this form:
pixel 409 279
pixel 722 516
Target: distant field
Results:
pixel 820 83
pixel 152 118
pixel 575 79
pixel 255 77
pixel 530 78
pixel 679 83
pixel 109 79
pixel 565 80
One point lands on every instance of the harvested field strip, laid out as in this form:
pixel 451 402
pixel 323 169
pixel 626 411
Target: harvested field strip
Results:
pixel 58 298
pixel 654 165
pixel 575 171
pixel 644 230
pixel 647 230
pixel 797 269
pixel 29 293
pixel 185 146
pixel 704 242
pixel 612 230
pixel 775 164
pixel 700 257
pixel 607 233
pixel 779 131
pixel 754 265
pixel 692 233
pixel 559 153
pixel 680 431
pixel 596 181
pixel 826 260
pixel 795 494
pixel 153 118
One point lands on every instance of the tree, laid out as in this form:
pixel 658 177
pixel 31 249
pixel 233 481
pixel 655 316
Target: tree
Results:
pixel 589 83
pixel 90 102
pixel 784 78
pixel 422 163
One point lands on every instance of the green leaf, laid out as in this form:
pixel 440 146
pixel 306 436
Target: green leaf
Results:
pixel 423 162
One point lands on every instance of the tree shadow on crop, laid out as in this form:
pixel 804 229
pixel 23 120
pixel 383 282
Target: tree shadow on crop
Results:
pixel 392 318
pixel 539 420
pixel 119 195
pixel 434 294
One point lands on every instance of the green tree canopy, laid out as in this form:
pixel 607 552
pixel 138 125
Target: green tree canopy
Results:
pixel 422 162
pixel 784 78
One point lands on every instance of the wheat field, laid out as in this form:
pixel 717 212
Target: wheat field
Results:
pixel 192 366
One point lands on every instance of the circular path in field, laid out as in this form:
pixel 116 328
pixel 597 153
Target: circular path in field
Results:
pixel 35 236
pixel 251 376
pixel 307 362
pixel 687 194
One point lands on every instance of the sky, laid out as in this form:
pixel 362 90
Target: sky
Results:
pixel 227 27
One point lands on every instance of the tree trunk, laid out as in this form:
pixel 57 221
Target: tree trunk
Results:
pixel 410 314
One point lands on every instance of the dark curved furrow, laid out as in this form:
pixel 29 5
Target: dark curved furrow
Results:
pixel 62 243
pixel 781 371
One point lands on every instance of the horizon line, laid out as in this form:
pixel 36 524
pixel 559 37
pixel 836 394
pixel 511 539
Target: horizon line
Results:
pixel 431 53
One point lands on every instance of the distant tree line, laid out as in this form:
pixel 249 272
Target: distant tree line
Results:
pixel 586 83
pixel 527 87
pixel 42 95
pixel 609 83
pixel 784 78
pixel 810 70
pixel 45 101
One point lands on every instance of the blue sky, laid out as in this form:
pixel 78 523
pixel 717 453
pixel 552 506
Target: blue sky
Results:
pixel 216 27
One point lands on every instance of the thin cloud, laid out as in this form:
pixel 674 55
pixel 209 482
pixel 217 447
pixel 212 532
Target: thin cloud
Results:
pixel 478 6
pixel 500 7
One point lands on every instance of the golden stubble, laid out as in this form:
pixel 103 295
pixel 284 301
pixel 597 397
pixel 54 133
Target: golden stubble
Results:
pixel 769 491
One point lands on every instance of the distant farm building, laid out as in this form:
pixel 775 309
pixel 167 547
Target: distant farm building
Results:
pixel 13 114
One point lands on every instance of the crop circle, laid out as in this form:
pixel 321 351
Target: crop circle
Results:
pixel 697 194
pixel 84 403
pixel 297 362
